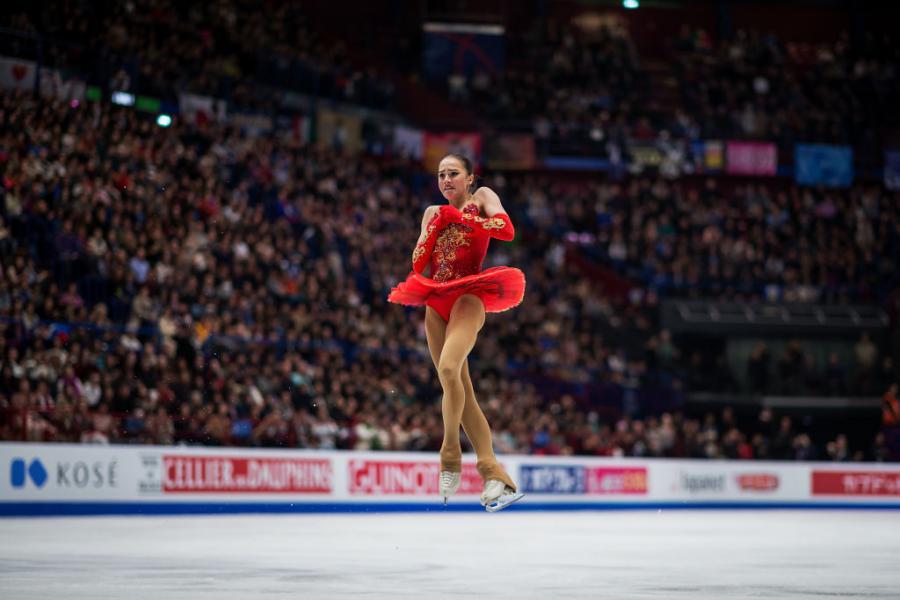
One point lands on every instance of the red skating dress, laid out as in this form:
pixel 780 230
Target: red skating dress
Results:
pixel 455 246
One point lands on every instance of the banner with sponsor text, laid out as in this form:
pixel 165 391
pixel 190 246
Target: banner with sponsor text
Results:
pixel 751 158
pixel 438 145
pixel 822 164
pixel 511 151
pixel 90 479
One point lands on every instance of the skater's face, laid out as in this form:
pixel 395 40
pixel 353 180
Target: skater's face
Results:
pixel 453 178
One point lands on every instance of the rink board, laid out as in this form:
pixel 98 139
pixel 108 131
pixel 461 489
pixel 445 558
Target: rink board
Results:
pixel 73 479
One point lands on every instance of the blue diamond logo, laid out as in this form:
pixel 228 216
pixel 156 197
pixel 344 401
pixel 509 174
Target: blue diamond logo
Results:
pixel 38 473
pixel 35 471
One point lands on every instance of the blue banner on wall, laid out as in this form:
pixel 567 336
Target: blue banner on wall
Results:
pixel 552 479
pixel 892 169
pixel 462 48
pixel 820 164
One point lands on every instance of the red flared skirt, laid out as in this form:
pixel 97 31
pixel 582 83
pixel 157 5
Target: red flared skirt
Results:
pixel 500 288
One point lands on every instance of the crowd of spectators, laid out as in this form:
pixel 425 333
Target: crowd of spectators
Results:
pixel 754 241
pixel 796 372
pixel 199 285
pixel 582 89
pixel 578 86
pixel 202 284
pixel 242 52
pixel 577 89
pixel 758 86
pixel 186 273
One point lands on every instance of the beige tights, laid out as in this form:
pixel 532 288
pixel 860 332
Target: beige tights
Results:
pixel 450 344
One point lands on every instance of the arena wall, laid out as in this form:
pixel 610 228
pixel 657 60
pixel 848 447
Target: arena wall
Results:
pixel 72 479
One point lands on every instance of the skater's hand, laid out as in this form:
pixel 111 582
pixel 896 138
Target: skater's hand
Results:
pixel 450 214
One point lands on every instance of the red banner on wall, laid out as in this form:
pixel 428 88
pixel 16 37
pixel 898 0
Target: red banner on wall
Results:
pixel 220 474
pixel 608 480
pixel 758 482
pixel 856 483
pixel 439 145
pixel 751 158
pixel 511 151
pixel 375 477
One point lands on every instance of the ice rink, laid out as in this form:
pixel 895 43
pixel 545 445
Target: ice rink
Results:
pixel 644 554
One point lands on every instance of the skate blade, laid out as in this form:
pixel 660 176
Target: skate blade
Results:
pixel 503 501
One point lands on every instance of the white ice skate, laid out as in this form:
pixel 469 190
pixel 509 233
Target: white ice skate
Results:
pixel 497 495
pixel 448 483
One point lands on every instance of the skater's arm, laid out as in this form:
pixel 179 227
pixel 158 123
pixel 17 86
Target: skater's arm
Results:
pixel 497 223
pixel 425 244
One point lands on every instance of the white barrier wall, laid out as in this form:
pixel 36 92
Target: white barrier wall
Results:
pixel 86 479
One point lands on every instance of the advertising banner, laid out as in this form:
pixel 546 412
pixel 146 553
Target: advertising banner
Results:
pixel 44 479
pixel 645 154
pixel 856 483
pixel 708 156
pixel 820 164
pixel 552 479
pixel 201 110
pixel 30 472
pixel 339 130
pixel 226 474
pixel 511 151
pixel 617 480
pixel 409 143
pixel 582 479
pixel 53 84
pixel 439 145
pixel 17 74
pixel 713 156
pixel 462 48
pixel 723 480
pixel 751 158
pixel 390 477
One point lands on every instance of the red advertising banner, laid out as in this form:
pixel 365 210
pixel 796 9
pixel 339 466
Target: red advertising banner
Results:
pixel 751 158
pixel 221 474
pixel 856 483
pixel 511 151
pixel 439 145
pixel 376 477
pixel 611 480
pixel 758 482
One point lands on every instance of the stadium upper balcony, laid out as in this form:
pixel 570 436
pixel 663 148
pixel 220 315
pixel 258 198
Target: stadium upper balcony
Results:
pixel 229 50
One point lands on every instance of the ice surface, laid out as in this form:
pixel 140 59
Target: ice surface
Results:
pixel 621 555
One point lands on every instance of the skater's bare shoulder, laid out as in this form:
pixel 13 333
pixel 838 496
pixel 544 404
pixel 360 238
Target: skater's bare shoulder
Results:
pixel 488 201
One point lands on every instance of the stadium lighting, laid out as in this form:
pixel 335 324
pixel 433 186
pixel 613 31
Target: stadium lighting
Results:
pixel 631 4
pixel 123 98
pixel 163 120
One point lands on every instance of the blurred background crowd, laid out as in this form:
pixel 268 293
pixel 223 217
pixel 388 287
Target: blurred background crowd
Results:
pixel 212 283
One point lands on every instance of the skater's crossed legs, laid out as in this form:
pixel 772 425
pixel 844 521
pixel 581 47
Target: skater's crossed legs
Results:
pixel 450 344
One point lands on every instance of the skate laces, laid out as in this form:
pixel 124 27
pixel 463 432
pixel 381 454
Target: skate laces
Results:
pixel 448 479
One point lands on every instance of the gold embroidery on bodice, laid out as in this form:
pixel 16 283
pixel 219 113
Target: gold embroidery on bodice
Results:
pixel 454 236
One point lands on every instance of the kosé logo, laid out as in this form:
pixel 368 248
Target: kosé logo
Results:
pixel 19 474
pixel 81 474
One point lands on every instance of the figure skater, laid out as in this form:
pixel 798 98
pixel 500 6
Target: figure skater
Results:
pixel 453 243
